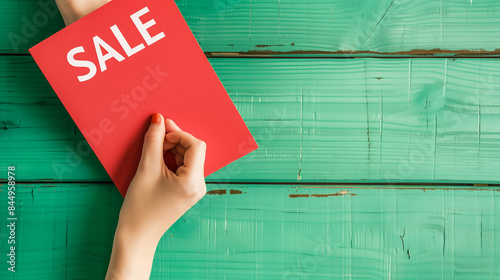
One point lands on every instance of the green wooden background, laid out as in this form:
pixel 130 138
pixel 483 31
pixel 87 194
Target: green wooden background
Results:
pixel 379 131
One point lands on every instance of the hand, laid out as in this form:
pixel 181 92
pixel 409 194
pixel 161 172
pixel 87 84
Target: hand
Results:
pixel 156 197
pixel 72 10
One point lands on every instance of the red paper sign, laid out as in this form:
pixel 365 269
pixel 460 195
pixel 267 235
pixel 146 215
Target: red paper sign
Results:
pixel 125 61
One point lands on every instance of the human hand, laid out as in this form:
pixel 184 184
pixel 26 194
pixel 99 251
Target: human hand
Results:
pixel 158 196
pixel 72 10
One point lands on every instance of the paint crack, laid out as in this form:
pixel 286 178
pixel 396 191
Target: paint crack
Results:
pixel 383 16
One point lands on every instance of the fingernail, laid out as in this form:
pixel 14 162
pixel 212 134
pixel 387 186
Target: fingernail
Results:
pixel 156 118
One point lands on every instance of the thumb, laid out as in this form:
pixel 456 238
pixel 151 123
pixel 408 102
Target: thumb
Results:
pixel 152 149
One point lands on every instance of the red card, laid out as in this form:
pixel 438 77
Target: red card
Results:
pixel 125 61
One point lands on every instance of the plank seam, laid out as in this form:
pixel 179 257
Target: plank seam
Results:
pixel 337 55
pixel 476 185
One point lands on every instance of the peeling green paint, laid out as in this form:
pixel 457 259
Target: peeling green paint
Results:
pixel 229 26
pixel 432 119
pixel 327 120
pixel 391 233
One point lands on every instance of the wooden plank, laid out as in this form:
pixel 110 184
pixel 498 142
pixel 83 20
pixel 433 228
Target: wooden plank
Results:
pixel 301 27
pixel 65 231
pixel 325 120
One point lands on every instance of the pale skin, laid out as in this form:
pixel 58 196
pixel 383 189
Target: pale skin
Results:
pixel 157 197
pixel 72 10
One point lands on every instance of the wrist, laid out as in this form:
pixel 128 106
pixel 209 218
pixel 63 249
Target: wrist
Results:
pixel 136 236
pixel 73 10
pixel 67 11
pixel 132 256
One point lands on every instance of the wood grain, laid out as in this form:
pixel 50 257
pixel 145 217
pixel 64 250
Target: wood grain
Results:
pixel 325 120
pixel 333 27
pixel 66 230
pixel 372 121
